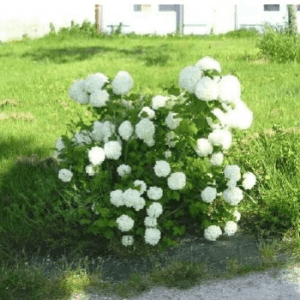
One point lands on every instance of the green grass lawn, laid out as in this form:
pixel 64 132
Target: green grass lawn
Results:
pixel 35 109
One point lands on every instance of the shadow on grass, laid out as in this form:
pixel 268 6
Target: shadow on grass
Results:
pixel 151 55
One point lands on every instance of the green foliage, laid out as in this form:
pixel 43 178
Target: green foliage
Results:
pixel 279 45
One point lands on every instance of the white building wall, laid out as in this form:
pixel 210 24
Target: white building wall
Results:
pixel 19 17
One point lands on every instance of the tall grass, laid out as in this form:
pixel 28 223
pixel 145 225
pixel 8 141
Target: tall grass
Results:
pixel 35 109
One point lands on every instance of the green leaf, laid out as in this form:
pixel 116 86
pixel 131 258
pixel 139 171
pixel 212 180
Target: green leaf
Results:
pixel 85 221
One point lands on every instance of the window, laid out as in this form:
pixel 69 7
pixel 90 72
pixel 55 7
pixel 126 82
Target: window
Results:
pixel 271 7
pixel 142 7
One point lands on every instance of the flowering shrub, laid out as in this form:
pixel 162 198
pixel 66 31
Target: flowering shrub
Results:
pixel 146 165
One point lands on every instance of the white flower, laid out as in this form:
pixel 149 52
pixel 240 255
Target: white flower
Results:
pixel 209 194
pixel 90 170
pixel 152 236
pixel 123 170
pixel 169 137
pixel 96 155
pixel 102 131
pixel 206 89
pixel 127 240
pixel 217 159
pixel 249 181
pixel 60 144
pixel 98 98
pixel 240 117
pixel 208 63
pixel 203 147
pixel 154 210
pixel 168 154
pixel 77 92
pixel 177 181
pixel 237 215
pixel 142 185
pixel 232 172
pixel 130 196
pixel 65 175
pixel 188 78
pixel 172 122
pixel 83 137
pixel 113 150
pixel 154 193
pixel 126 130
pixel 159 101
pixel 150 113
pixel 162 168
pixel 212 232
pixel 150 142
pixel 116 198
pixel 125 223
pixel 229 88
pixel 145 129
pixel 230 228
pixel 127 104
pixel 150 222
pixel 220 137
pixel 122 83
pixel 233 196
pixel 95 82
pixel 139 203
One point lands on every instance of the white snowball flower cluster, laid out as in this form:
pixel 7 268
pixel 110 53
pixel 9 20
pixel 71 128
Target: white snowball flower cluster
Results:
pixel 249 180
pixel 168 154
pixel 145 129
pixel 150 222
pixel 203 147
pixel 122 83
pixel 127 240
pixel 162 168
pixel 65 175
pixel 169 139
pixel 90 170
pixel 212 232
pixel 96 155
pixel 177 181
pixel 154 193
pixel 150 113
pixel 95 82
pixel 233 196
pixel 123 170
pixel 229 89
pixel 206 89
pixel 116 198
pixel 112 150
pixel 98 98
pixel 154 210
pixel 159 101
pixel 217 159
pixel 125 130
pixel 103 131
pixel 131 197
pixel 172 122
pixel 209 194
pixel 208 63
pixel 152 236
pixel 220 137
pixel 142 185
pixel 82 138
pixel 230 228
pixel 240 117
pixel 78 93
pixel 232 172
pixel 125 223
pixel 188 78
pixel 237 215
